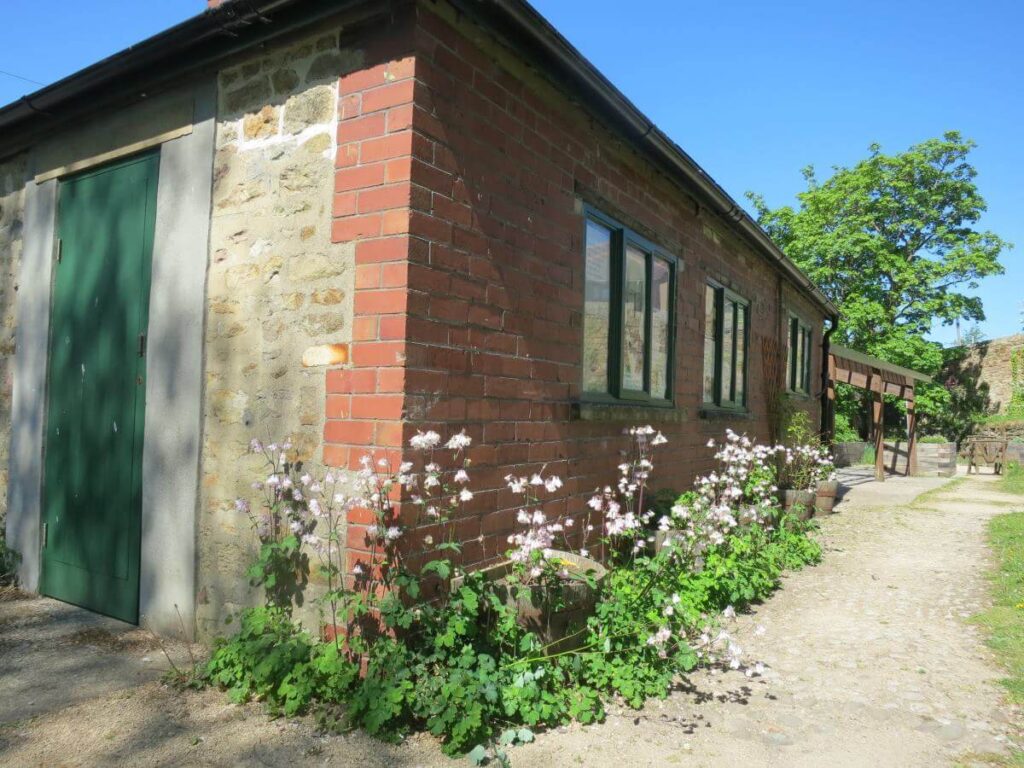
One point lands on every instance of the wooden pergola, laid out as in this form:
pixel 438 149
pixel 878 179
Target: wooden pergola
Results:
pixel 880 378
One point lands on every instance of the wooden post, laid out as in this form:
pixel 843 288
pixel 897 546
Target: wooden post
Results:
pixel 878 423
pixel 911 435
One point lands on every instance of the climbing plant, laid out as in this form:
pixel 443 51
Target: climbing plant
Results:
pixel 1016 406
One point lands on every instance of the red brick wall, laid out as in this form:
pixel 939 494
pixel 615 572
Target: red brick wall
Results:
pixel 461 177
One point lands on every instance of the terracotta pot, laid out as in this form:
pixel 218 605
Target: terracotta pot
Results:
pixel 825 498
pixel 799 503
pixel 559 620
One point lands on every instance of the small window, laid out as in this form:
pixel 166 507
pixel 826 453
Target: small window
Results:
pixel 628 316
pixel 799 357
pixel 726 323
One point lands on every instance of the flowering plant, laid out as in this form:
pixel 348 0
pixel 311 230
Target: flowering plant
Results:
pixel 740 493
pixel 806 461
pixel 407 646
pixel 283 523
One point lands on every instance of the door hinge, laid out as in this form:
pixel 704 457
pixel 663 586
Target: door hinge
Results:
pixel 46 533
pixel 142 345
pixel 58 250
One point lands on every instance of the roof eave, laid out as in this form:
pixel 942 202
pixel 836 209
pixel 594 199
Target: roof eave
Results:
pixel 534 30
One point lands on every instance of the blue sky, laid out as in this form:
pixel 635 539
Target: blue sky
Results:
pixel 753 90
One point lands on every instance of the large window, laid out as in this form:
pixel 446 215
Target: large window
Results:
pixel 628 316
pixel 726 320
pixel 799 357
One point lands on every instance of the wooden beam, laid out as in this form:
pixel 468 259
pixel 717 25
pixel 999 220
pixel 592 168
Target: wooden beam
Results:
pixel 911 439
pixel 878 422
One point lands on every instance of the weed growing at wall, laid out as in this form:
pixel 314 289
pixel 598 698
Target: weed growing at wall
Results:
pixel 587 609
pixel 1015 409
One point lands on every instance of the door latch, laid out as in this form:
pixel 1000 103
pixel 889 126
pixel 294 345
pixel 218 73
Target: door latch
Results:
pixel 46 533
pixel 59 250
pixel 142 345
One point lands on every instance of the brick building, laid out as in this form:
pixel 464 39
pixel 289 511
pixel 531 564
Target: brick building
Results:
pixel 359 220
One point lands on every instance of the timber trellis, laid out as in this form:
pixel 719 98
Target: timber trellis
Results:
pixel 880 378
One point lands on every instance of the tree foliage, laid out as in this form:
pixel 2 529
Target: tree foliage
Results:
pixel 893 242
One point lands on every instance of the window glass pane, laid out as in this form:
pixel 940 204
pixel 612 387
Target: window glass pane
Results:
pixel 661 300
pixel 800 359
pixel 634 325
pixel 791 354
pixel 807 359
pixel 597 307
pixel 710 331
pixel 728 319
pixel 741 351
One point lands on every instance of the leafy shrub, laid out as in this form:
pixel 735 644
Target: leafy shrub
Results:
pixel 9 559
pixel 455 660
pixel 844 431
pixel 933 439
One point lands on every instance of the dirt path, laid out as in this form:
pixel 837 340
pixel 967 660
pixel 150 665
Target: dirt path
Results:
pixel 871 662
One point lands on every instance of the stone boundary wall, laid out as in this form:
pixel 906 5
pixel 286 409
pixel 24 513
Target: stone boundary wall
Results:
pixel 849 454
pixel 932 458
pixel 991 360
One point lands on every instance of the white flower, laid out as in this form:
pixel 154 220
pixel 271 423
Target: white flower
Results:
pixel 357 570
pixel 392 533
pixel 459 441
pixel 241 505
pixel 553 483
pixel 423 441
pixel 659 439
pixel 465 495
pixel 461 476
pixel 255 446
pixel 516 484
pixel 536 479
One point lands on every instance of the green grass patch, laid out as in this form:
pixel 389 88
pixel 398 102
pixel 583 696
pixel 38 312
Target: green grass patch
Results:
pixel 928 498
pixel 1003 420
pixel 1004 621
pixel 1013 479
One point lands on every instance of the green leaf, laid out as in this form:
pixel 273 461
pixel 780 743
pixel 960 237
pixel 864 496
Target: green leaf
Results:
pixel 478 754
pixel 525 735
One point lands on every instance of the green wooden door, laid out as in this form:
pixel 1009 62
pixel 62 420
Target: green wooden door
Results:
pixel 92 483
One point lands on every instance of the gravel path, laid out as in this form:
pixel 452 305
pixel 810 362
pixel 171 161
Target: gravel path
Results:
pixel 871 662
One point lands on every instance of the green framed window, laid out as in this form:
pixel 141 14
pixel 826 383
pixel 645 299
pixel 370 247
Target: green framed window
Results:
pixel 798 356
pixel 726 342
pixel 628 316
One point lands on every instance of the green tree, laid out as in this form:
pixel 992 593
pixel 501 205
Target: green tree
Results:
pixel 892 241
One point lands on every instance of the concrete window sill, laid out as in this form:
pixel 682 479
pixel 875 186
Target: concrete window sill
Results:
pixel 725 414
pixel 635 414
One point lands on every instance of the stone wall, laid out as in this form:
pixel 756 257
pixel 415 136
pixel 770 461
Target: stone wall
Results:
pixel 12 202
pixel 278 288
pixel 990 363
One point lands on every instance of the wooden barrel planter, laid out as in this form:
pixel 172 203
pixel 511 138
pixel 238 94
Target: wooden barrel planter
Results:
pixel 559 621
pixel 825 497
pixel 798 503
